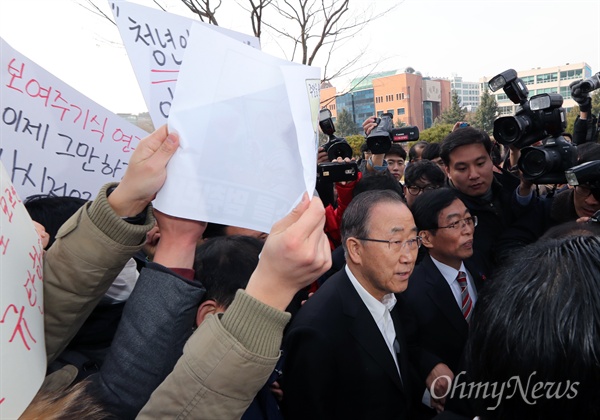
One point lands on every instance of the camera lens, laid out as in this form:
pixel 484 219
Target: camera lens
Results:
pixel 508 130
pixel 533 162
pixel 339 149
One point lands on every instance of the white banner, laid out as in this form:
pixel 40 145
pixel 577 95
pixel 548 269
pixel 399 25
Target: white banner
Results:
pixel 54 139
pixel 22 346
pixel 155 42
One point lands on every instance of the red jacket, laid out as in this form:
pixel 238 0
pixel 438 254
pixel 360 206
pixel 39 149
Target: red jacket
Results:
pixel 333 216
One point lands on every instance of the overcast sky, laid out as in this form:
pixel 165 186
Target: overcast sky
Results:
pixel 469 38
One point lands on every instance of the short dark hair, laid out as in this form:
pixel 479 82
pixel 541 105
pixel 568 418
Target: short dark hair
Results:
pixel 396 149
pixel 52 212
pixel 464 137
pixel 540 320
pixel 224 264
pixel 431 151
pixel 377 181
pixel 356 218
pixel 427 207
pixel 572 228
pixel 412 152
pixel 588 152
pixel 214 230
pixel 424 169
pixel 364 147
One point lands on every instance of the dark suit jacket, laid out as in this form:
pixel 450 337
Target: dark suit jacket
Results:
pixel 337 364
pixel 442 328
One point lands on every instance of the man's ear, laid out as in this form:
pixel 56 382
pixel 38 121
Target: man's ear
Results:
pixel 354 247
pixel 426 238
pixel 447 170
pixel 207 307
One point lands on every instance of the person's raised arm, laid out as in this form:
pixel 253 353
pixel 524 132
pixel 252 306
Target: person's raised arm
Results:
pixel 93 246
pixel 297 244
pixel 230 357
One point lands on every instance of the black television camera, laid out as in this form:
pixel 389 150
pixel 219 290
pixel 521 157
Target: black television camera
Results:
pixel 539 118
pixel 335 147
pixel 380 139
pixel 405 134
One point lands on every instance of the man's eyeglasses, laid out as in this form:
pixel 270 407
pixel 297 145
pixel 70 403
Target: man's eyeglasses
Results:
pixel 414 190
pixel 585 191
pixel 397 246
pixel 459 224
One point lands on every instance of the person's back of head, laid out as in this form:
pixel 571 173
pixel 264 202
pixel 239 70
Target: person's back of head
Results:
pixel 416 150
pixel 52 212
pixel 431 151
pixel 364 148
pixel 224 264
pixel 463 137
pixel 424 170
pixel 572 228
pixel 377 181
pixel 535 333
pixel 588 152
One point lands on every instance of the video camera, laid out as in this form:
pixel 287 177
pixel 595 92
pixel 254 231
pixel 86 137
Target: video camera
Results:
pixel 335 147
pixel 591 84
pixel 380 139
pixel 539 118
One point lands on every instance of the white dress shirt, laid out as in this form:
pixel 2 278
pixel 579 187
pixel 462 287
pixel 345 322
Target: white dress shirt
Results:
pixel 450 274
pixel 380 311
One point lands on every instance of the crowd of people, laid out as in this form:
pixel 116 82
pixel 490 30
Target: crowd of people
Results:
pixel 438 284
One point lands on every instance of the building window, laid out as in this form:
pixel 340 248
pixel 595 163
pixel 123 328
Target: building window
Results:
pixel 399 96
pixel 379 114
pixel 501 97
pixel 571 74
pixel 528 80
pixel 401 111
pixel 390 111
pixel 505 110
pixel 565 92
pixel 546 90
pixel 546 78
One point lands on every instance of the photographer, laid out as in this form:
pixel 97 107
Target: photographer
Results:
pixel 570 204
pixel 585 129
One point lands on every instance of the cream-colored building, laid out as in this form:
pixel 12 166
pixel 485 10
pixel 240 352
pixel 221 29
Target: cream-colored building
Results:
pixel 543 80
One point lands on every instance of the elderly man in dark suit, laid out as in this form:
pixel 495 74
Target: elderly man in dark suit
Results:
pixel 346 355
pixel 443 289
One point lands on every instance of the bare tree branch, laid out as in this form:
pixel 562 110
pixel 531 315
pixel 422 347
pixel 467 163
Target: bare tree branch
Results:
pixel 89 5
pixel 203 9
pixel 256 11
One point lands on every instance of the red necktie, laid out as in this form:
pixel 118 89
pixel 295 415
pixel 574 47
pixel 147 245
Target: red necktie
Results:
pixel 466 302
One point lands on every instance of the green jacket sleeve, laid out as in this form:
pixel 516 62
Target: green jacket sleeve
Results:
pixel 224 364
pixel 91 249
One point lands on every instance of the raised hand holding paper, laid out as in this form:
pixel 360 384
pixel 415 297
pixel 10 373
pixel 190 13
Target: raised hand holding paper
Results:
pixel 247 123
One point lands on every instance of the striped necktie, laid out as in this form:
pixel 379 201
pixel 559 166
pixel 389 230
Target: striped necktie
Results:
pixel 466 302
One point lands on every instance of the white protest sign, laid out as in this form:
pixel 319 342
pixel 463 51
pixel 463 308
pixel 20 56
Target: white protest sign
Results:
pixel 22 346
pixel 248 134
pixel 155 42
pixel 55 140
